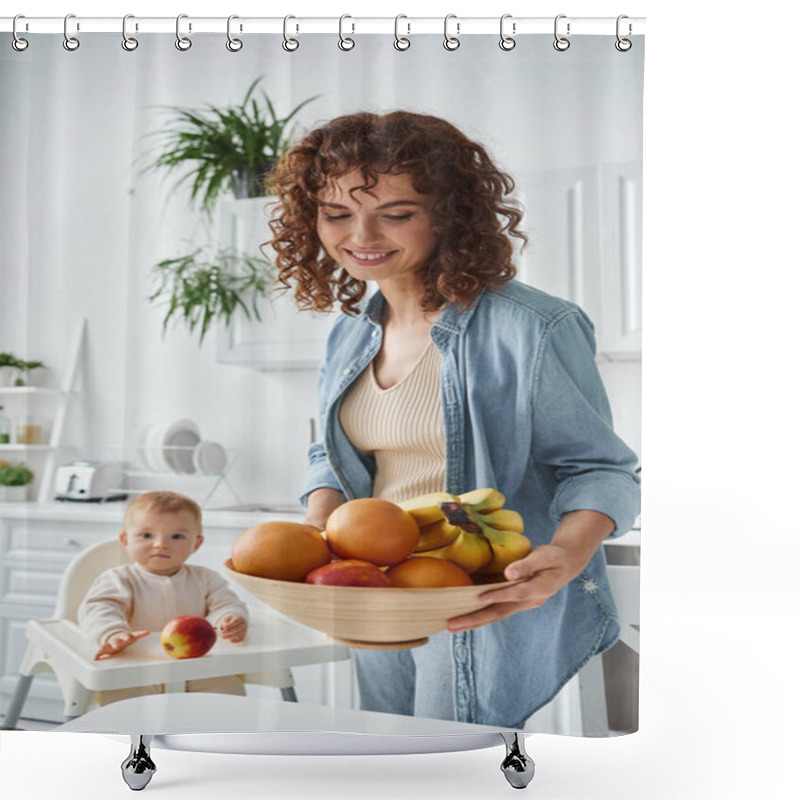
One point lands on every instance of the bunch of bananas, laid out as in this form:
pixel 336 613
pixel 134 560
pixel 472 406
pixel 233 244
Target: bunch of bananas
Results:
pixel 472 530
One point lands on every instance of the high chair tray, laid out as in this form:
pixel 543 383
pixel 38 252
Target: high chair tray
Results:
pixel 272 643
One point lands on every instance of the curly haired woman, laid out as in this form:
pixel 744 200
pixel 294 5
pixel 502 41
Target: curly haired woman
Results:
pixel 452 376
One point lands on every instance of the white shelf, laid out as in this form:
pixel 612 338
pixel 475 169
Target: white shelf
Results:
pixel 31 390
pixel 28 447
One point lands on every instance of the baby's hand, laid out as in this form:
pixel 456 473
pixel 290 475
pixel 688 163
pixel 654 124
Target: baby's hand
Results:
pixel 233 627
pixel 118 642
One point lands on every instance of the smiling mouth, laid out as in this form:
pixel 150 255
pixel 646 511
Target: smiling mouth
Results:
pixel 361 257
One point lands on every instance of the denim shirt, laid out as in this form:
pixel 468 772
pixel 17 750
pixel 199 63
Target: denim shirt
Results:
pixel 524 412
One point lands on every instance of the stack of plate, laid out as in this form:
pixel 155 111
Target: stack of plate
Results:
pixel 178 447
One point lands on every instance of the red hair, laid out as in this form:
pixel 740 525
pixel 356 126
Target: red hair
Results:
pixel 470 215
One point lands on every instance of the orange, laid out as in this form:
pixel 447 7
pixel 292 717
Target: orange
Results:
pixel 372 530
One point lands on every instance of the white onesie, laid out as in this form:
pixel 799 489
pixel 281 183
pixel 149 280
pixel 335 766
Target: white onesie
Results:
pixel 129 598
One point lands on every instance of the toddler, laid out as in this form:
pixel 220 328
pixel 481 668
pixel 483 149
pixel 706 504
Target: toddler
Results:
pixel 160 531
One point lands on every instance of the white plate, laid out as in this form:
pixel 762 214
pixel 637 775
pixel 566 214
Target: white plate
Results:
pixel 210 458
pixel 141 447
pixel 183 434
pixel 155 454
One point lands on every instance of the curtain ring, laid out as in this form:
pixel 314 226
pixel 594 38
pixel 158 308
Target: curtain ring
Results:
pixel 18 43
pixel 70 42
pixel 345 42
pixel 290 45
pixel 561 43
pixel 234 45
pixel 507 42
pixel 183 43
pixel 623 45
pixel 400 42
pixel 128 42
pixel 451 42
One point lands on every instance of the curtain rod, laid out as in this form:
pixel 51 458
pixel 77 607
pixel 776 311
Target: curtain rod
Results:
pixel 407 26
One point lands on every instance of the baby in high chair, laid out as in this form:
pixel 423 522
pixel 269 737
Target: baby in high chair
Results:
pixel 160 531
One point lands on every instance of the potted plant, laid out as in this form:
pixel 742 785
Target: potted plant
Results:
pixel 12 369
pixel 202 288
pixel 14 480
pixel 225 148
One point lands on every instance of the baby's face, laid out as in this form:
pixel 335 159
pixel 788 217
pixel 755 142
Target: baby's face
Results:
pixel 161 542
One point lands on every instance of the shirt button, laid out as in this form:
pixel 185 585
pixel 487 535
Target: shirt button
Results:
pixel 374 334
pixel 461 652
pixel 346 371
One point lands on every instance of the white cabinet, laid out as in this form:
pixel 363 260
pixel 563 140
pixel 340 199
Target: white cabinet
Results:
pixel 621 248
pixel 285 337
pixel 584 226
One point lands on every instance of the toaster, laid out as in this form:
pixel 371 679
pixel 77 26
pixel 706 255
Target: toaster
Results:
pixel 89 481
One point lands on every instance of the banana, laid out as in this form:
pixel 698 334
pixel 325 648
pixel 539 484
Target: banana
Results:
pixel 483 501
pixel 436 534
pixel 470 551
pixel 507 546
pixel 504 519
pixel 425 508
pixel 472 530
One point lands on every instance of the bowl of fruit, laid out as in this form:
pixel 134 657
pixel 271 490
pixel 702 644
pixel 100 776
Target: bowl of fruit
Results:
pixel 383 575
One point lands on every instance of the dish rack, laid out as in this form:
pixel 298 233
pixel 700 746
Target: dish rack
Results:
pixel 201 486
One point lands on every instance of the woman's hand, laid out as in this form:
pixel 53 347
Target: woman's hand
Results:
pixel 233 627
pixel 117 642
pixel 545 570
pixel 321 504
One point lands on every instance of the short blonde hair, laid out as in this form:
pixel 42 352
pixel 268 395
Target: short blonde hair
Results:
pixel 164 503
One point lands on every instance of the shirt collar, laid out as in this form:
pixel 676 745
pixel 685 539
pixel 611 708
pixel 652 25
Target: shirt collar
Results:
pixel 452 320
pixel 138 566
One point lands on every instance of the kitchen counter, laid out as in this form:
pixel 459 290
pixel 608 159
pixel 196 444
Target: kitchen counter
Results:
pixel 113 511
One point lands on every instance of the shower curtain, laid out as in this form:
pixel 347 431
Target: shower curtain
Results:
pixel 167 368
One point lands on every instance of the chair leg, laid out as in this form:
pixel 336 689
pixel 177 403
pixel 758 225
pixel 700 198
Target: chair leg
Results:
pixel 517 766
pixel 288 693
pixel 138 768
pixel 17 701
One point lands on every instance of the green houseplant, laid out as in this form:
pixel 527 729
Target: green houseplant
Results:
pixel 12 368
pixel 201 288
pixel 14 480
pixel 219 149
pixel 225 148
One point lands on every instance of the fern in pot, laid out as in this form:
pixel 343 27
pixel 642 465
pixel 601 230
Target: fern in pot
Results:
pixel 205 287
pixel 231 148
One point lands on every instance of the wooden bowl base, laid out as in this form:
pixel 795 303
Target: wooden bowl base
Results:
pixel 380 645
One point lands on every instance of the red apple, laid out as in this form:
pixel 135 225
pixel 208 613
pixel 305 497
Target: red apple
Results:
pixel 348 572
pixel 188 637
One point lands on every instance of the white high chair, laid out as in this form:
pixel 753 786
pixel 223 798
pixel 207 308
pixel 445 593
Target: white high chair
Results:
pixel 273 645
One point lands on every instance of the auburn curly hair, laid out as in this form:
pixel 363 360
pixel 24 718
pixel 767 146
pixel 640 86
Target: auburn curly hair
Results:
pixel 470 217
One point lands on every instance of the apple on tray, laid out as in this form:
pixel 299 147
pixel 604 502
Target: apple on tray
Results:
pixel 348 572
pixel 188 637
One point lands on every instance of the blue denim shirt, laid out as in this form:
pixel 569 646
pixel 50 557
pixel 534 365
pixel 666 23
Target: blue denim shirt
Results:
pixel 524 412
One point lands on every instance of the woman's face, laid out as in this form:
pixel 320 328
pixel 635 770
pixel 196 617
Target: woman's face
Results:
pixel 383 235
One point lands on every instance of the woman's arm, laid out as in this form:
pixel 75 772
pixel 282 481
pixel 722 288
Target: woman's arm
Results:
pixel 548 569
pixel 321 503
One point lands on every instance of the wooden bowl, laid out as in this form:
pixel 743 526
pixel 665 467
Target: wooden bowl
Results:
pixel 367 617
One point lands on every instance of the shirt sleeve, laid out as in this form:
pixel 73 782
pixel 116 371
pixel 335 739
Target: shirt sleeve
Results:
pixel 573 431
pixel 220 600
pixel 319 474
pixel 106 608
